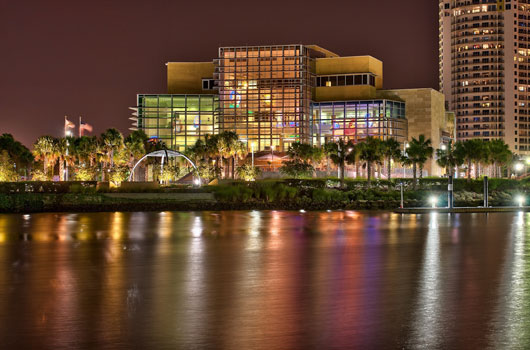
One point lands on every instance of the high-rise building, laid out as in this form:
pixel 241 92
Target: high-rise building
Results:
pixel 484 67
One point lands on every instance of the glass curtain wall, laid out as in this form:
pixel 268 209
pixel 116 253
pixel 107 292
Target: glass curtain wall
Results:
pixel 177 120
pixel 265 94
pixel 357 120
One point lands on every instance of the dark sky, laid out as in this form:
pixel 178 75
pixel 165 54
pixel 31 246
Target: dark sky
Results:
pixel 91 58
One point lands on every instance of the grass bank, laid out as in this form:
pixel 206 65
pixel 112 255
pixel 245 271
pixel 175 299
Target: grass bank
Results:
pixel 308 194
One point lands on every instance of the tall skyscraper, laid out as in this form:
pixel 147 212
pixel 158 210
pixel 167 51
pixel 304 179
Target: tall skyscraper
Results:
pixel 484 67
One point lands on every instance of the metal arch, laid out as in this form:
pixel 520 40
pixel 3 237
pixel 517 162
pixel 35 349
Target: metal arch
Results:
pixel 165 154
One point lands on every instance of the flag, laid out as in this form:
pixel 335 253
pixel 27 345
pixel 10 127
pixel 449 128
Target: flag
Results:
pixel 85 126
pixel 68 124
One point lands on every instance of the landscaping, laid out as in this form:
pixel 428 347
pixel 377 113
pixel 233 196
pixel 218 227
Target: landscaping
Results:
pixel 287 194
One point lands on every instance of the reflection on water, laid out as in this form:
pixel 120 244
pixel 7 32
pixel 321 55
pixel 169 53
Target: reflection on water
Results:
pixel 265 280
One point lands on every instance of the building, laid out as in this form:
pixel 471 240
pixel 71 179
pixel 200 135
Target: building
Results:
pixel 484 68
pixel 426 115
pixel 272 96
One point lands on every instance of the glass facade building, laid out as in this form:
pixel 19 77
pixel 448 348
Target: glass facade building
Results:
pixel 178 120
pixel 265 93
pixel 357 120
pixel 272 96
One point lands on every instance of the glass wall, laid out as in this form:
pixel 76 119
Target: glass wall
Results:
pixel 265 94
pixel 357 120
pixel 178 120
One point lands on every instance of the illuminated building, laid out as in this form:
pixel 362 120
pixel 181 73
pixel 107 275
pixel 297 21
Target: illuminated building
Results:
pixel 484 68
pixel 277 95
pixel 177 120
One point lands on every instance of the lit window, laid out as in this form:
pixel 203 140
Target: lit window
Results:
pixel 328 83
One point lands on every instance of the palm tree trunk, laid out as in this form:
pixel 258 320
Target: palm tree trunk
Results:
pixel 61 169
pixel 389 169
pixel 421 171
pixel 357 169
pixel 368 173
pixel 469 170
pixel 342 175
pixel 45 165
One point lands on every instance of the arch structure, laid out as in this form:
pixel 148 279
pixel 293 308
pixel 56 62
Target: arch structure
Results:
pixel 166 154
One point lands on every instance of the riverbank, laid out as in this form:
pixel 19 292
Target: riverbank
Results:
pixel 308 194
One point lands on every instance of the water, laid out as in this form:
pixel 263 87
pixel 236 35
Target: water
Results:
pixel 264 280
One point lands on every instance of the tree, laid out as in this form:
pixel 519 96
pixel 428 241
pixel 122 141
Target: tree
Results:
pixel 86 149
pixel 8 172
pixel 44 149
pixel 499 155
pixel 391 150
pixel 419 151
pixel 111 143
pixel 134 147
pixel 340 153
pixel 306 153
pixel 18 153
pixel 296 169
pixel 448 159
pixel 371 152
pixel 472 151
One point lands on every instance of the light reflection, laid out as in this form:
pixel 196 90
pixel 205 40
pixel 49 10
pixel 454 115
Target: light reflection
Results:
pixel 515 316
pixel 116 227
pixel 196 228
pixel 428 311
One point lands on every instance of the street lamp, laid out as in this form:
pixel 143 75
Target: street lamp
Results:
pixel 518 167
pixel 433 200
pixel 405 146
pixel 444 147
pixel 520 200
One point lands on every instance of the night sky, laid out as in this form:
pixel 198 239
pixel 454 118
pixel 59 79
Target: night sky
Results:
pixel 91 58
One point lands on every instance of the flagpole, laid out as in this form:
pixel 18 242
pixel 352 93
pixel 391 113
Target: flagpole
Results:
pixel 80 129
pixel 66 140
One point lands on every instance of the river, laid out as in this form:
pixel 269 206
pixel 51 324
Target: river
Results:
pixel 264 280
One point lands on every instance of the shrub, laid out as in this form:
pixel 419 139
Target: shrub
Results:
pixel 248 172
pixel 329 195
pixel 83 173
pixel 119 174
pixel 297 169
pixel 38 175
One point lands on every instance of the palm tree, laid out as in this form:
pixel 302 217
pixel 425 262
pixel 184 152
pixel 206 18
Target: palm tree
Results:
pixel 371 152
pixel 44 149
pixel 111 143
pixel 227 145
pixel 339 153
pixel 499 155
pixel 134 147
pixel 327 150
pixel 86 149
pixel 391 150
pixel 472 151
pixel 419 151
pixel 448 159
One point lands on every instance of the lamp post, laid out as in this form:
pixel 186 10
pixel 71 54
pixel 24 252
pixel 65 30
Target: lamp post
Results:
pixel 67 134
pixel 405 146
